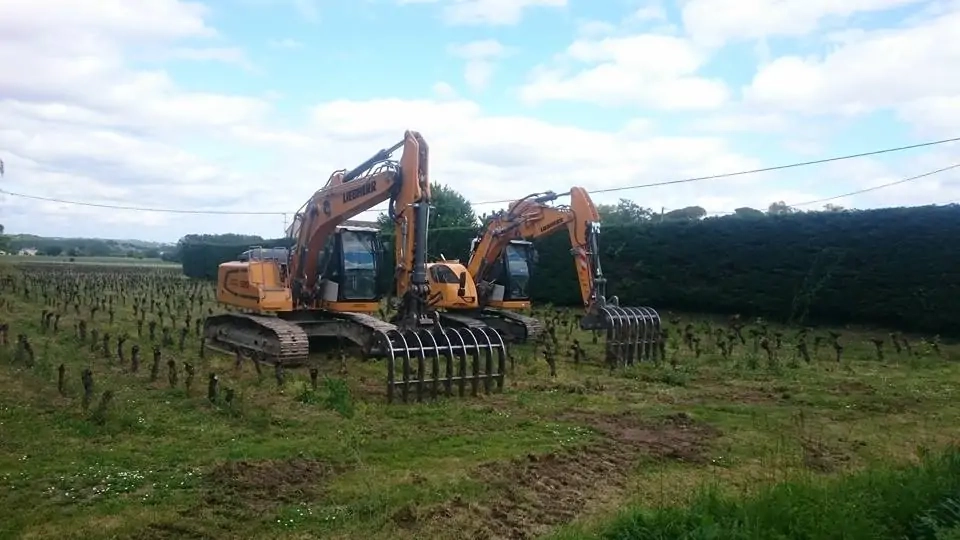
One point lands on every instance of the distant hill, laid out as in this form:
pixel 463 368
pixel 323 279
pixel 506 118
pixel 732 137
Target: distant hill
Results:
pixel 88 247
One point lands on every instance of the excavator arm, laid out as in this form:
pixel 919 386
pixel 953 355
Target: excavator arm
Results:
pixel 532 217
pixel 347 194
pixel 632 332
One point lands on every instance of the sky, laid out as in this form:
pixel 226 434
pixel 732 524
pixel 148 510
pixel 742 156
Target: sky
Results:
pixel 249 105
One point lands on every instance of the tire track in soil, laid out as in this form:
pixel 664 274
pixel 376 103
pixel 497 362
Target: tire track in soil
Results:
pixel 533 495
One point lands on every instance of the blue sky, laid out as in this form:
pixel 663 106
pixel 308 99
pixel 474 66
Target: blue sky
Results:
pixel 598 94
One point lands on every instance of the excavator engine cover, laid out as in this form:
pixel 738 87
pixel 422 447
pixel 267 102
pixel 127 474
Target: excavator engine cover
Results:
pixel 633 334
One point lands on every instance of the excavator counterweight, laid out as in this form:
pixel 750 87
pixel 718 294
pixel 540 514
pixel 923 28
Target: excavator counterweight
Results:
pixel 323 292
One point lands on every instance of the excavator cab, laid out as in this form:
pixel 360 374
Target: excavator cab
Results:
pixel 349 267
pixel 450 285
pixel 511 275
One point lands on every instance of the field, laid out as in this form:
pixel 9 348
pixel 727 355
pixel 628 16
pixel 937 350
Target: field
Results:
pixel 164 450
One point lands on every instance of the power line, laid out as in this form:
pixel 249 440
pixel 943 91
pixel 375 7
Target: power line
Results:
pixel 141 208
pixel 606 190
pixel 754 171
pixel 874 188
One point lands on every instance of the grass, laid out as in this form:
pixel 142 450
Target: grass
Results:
pixel 679 448
pixel 917 502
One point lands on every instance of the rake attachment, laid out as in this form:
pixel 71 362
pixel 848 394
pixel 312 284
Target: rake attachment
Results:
pixel 633 333
pixel 468 355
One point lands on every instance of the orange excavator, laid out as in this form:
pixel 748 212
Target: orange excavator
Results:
pixel 326 284
pixel 502 256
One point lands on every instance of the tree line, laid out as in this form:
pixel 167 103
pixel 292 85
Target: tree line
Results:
pixel 83 247
pixel 891 266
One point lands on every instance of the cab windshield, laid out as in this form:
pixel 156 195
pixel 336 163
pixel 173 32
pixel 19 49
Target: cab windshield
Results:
pixel 359 266
pixel 519 270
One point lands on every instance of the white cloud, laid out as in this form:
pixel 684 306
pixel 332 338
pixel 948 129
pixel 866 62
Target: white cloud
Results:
pixel 481 57
pixel 488 160
pixel 487 12
pixel 736 122
pixel 229 55
pixel 308 10
pixel 715 22
pixel 146 20
pixel 647 13
pixel 593 29
pixel 444 91
pixel 902 69
pixel 79 124
pixel 646 70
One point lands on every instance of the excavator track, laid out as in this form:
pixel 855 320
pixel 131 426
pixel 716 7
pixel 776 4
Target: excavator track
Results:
pixel 270 339
pixel 522 328
pixel 512 326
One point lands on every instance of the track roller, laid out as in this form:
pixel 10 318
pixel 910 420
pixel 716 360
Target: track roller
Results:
pixel 468 355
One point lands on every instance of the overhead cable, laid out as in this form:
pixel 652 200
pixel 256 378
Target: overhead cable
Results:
pixel 874 188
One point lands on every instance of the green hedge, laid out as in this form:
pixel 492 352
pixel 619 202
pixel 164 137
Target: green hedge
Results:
pixel 897 267
pixel 200 260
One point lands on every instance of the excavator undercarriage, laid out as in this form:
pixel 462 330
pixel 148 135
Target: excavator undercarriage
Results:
pixel 458 357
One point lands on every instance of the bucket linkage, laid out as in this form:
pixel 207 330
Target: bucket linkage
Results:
pixel 467 355
pixel 633 334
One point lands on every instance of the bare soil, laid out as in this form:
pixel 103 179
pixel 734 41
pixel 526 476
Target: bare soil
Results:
pixel 530 496
pixel 239 489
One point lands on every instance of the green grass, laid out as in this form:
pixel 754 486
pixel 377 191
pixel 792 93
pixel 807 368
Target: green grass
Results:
pixel 917 502
pixel 551 455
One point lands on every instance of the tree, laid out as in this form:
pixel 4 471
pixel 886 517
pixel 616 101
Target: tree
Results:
pixel 4 241
pixel 747 212
pixel 830 207
pixel 690 213
pixel 780 208
pixel 625 212
pixel 52 251
pixel 152 253
pixel 451 210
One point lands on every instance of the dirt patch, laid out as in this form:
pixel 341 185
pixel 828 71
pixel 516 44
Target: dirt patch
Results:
pixel 744 395
pixel 820 457
pixel 537 493
pixel 847 388
pixel 237 490
pixel 590 387
pixel 674 437
pixel 171 531
pixel 270 480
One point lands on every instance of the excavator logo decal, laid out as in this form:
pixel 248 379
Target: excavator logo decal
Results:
pixel 551 225
pixel 356 193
